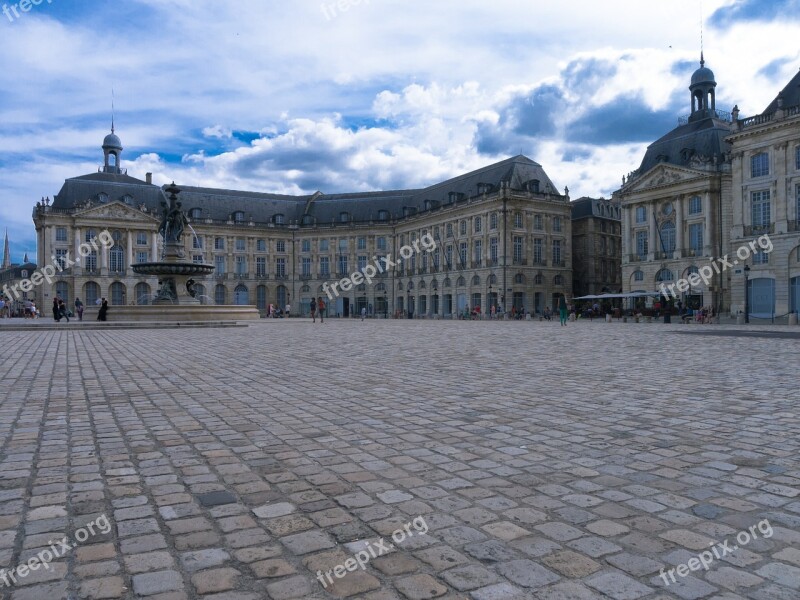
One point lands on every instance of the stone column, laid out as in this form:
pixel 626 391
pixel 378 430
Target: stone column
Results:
pixel 627 250
pixel 655 246
pixel 79 266
pixel 154 247
pixel 129 249
pixel 679 227
pixel 103 260
pixel 707 251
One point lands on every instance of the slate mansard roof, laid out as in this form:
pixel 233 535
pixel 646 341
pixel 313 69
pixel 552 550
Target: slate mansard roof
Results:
pixel 703 139
pixel 603 208
pixel 518 173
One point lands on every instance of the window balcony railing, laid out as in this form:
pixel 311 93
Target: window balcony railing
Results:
pixel 637 257
pixel 282 276
pixel 559 263
pixel 521 261
pixel 663 255
pixel 476 264
pixel 262 276
pixel 243 275
pixel 759 229
pixel 305 276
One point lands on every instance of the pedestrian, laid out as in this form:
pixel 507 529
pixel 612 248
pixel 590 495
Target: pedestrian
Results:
pixel 562 310
pixel 288 310
pixel 363 312
pixel 102 314
pixel 321 309
pixel 62 309
pixel 79 308
pixel 56 310
pixel 313 310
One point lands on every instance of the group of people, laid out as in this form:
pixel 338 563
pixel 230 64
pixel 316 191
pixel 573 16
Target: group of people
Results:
pixel 318 306
pixel 60 310
pixel 273 312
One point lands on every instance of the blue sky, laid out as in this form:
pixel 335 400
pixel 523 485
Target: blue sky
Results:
pixel 291 97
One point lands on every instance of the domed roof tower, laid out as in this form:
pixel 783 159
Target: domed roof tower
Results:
pixel 112 148
pixel 702 90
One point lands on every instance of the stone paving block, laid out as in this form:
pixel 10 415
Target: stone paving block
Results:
pixel 469 577
pixel 420 587
pixel 149 584
pixel 617 585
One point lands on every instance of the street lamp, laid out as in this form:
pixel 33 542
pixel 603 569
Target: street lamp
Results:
pixel 746 294
pixel 489 301
pixel 408 301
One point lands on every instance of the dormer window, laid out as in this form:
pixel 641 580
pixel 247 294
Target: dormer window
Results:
pixel 344 217
pixel 238 217
pixel 308 220
pixel 383 215
pixel 127 199
pixel 409 211
pixel 102 197
pixel 196 213
pixel 278 219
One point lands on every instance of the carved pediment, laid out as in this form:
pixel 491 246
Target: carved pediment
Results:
pixel 116 211
pixel 660 175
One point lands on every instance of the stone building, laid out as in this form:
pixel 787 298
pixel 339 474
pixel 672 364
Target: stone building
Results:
pixel 596 246
pixel 502 234
pixel 676 214
pixel 766 200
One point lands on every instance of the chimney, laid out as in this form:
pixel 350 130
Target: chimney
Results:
pixel 149 178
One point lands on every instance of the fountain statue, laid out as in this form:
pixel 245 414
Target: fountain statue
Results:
pixel 176 285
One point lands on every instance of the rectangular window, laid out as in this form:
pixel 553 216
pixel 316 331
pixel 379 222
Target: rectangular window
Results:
pixel 241 265
pixel 477 254
pixel 381 241
pixel 280 246
pixel 641 244
pixel 462 228
pixel 90 262
pixel 61 234
pixel 761 209
pixel 518 220
pixel 261 245
pixel 493 250
pixel 797 213
pixel 537 222
pixel 760 257
pixel 436 257
pixel 197 242
pixel 219 263
pixel 759 165
pixel 478 224
pixel 518 248
pixel 695 205
pixel 324 266
pixel 341 266
pixel 305 266
pixel 261 266
pixel 638 276
pixel 462 253
pixel 449 230
pixel 696 238
pixel 557 224
pixel 280 267
pixel 219 243
pixel 448 255
pixel 305 246
pixel 641 214
pixel 556 253
pixel 240 244
pixel 196 258
pixel 142 257
pixel 343 246
pixel 493 221
pixel 362 263
pixel 323 245
pixel 141 238
pixel 362 243
pixel 538 251
pixel 797 158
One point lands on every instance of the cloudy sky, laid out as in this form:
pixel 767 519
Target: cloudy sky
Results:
pixel 350 95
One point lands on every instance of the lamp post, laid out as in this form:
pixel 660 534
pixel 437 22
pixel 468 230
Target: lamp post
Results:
pixel 746 294
pixel 489 301
pixel 408 301
pixel 385 304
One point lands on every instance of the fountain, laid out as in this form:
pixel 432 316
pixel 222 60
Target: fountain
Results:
pixel 176 299
pixel 175 276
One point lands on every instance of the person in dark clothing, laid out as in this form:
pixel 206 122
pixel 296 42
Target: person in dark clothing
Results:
pixel 79 308
pixel 56 310
pixel 102 314
pixel 62 310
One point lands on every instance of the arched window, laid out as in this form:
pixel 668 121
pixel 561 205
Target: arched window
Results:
pixel 219 294
pixel 434 285
pixel 476 280
pixel 422 284
pixel 118 293
pixel 664 275
pixel 380 287
pixel 668 236
pixel 492 280
pixel 102 197
pixel 281 296
pixel 638 276
pixel 461 282
pixel 305 289
pixel 127 199
pixel 558 280
pixel 241 295
pixel 519 278
pixel 141 293
pixel 539 279
pixel 446 282
pixel 91 292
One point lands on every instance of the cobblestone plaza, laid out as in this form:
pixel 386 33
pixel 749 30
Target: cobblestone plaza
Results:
pixel 546 462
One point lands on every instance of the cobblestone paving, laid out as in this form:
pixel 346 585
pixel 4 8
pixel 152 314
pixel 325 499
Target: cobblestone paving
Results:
pixel 544 462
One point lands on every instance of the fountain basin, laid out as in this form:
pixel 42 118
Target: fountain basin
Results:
pixel 170 268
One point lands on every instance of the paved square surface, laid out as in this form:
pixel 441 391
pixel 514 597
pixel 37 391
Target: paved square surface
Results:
pixel 507 460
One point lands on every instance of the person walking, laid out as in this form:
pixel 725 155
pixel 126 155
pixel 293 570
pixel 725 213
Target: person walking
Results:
pixel 321 309
pixel 363 312
pixel 62 310
pixel 79 308
pixel 313 310
pixel 102 314
pixel 56 311
pixel 562 310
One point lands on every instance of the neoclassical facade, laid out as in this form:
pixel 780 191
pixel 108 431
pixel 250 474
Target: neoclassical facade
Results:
pixel 596 246
pixel 766 201
pixel 676 205
pixel 707 190
pixel 502 234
